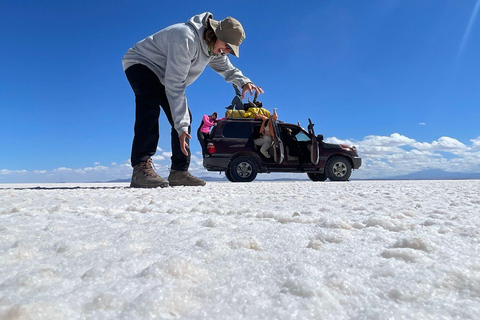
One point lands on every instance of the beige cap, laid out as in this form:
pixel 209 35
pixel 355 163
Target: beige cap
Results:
pixel 230 31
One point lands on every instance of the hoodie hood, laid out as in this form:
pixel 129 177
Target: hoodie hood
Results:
pixel 199 23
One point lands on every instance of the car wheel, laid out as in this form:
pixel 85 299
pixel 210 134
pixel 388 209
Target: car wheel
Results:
pixel 317 176
pixel 242 169
pixel 338 169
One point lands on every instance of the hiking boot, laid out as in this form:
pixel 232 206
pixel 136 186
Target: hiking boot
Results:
pixel 184 178
pixel 144 176
pixel 265 154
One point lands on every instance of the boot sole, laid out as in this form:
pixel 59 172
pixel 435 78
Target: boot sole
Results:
pixel 162 185
pixel 179 184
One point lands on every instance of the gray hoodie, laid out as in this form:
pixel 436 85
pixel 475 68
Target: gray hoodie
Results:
pixel 178 55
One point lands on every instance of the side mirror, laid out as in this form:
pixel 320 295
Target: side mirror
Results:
pixel 320 137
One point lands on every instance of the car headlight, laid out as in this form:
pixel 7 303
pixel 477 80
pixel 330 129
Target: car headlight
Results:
pixel 349 148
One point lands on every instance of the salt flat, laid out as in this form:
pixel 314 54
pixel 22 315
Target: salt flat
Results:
pixel 262 250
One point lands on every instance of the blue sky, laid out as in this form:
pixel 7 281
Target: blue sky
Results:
pixel 399 79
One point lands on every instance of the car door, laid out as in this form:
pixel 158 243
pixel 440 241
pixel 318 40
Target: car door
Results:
pixel 314 151
pixel 278 149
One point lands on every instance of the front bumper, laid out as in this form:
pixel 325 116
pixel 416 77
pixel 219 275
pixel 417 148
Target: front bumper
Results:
pixel 357 162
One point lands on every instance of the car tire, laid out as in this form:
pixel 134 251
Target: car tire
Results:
pixel 338 169
pixel 317 176
pixel 228 176
pixel 242 169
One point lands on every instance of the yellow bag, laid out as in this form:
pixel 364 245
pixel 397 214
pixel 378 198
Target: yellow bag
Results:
pixel 235 114
pixel 253 112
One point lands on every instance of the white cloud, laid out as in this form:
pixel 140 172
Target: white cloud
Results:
pixel 476 143
pixel 422 145
pixel 5 171
pixel 378 150
pixel 88 169
pixel 387 156
pixel 340 141
pixel 446 143
pixel 394 139
pixel 10 172
pixel 64 174
pixel 443 144
pixel 158 158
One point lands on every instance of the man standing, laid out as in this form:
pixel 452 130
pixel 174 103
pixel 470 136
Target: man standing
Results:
pixel 159 68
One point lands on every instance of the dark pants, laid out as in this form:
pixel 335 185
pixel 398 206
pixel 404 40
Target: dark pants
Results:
pixel 202 139
pixel 149 96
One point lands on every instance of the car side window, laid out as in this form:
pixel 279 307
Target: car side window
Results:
pixel 237 130
pixel 301 136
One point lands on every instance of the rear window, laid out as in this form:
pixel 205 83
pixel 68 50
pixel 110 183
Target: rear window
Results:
pixel 237 130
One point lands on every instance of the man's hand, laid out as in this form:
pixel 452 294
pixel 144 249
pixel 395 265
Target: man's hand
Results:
pixel 183 142
pixel 250 87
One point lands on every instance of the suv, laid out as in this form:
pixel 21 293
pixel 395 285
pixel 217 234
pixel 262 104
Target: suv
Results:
pixel 230 148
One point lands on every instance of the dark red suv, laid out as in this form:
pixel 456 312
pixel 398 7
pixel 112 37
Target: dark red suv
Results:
pixel 231 149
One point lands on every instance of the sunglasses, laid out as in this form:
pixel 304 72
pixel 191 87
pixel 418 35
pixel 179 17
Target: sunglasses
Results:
pixel 230 50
